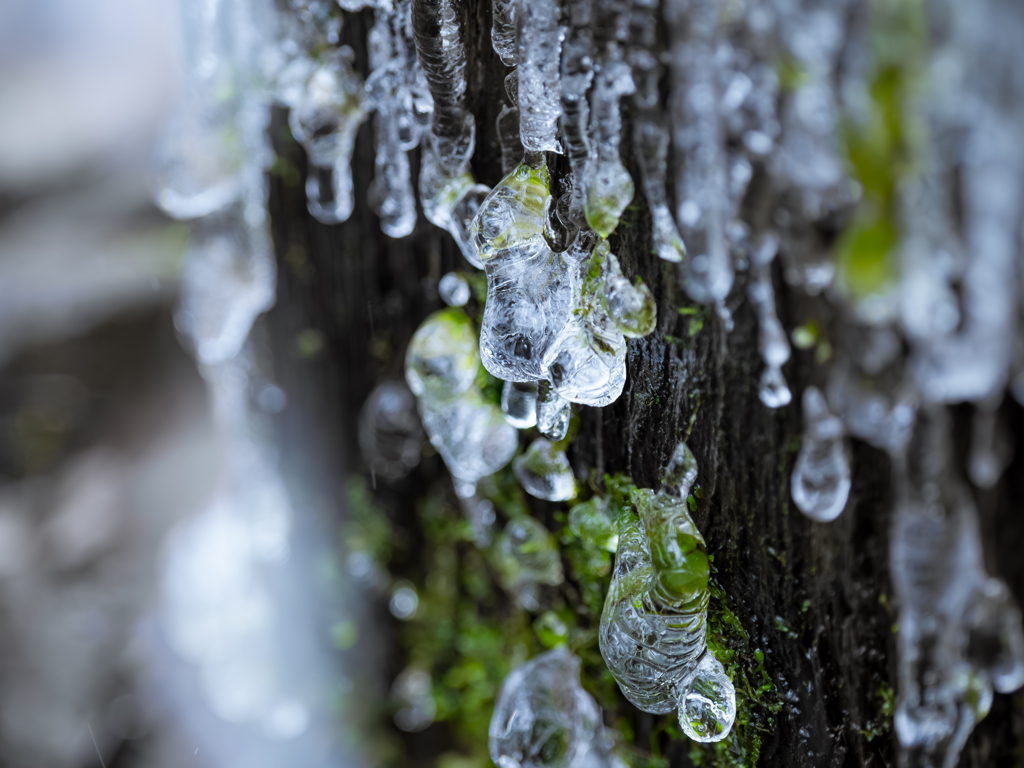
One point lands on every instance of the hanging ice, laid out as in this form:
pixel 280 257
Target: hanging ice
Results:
pixel 654 624
pixel 390 435
pixel 772 342
pixel 630 306
pixel 544 719
pixel 519 404
pixel 538 44
pixel 401 103
pixel 451 203
pixel 960 632
pixel 701 175
pixel 453 289
pixel 553 413
pixel 441 367
pixel 610 189
pixel 325 118
pixel 503 30
pixel 544 472
pixel 821 477
pixel 525 556
pixel 577 73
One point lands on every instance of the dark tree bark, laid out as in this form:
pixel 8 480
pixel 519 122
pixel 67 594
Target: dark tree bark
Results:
pixel 816 599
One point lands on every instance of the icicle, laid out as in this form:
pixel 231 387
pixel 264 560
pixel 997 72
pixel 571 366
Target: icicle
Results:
pixel 508 138
pixel 544 719
pixel 577 73
pixel 393 92
pixel 882 415
pixel 772 342
pixel 553 413
pixel 701 175
pixel 503 30
pixel 611 188
pixel 324 119
pixel 991 447
pixel 519 404
pixel 441 367
pixel 228 281
pixel 654 624
pixel 544 472
pixel 960 632
pixel 630 306
pixel 650 137
pixel 451 203
pixel 390 436
pixel 442 57
pixel 525 555
pixel 821 477
pixel 538 47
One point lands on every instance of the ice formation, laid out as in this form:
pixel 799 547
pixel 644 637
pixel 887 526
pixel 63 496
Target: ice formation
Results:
pixel 538 49
pixel 441 367
pixel 390 435
pixel 525 556
pixel 611 188
pixel 593 522
pixel 960 632
pixel 453 290
pixel 821 477
pixel 654 624
pixel 553 413
pixel 519 404
pixel 544 719
pixel 544 472
pixel 772 342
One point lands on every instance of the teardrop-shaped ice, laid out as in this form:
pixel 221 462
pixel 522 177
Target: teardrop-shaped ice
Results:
pixel 821 477
pixel 553 413
pixel 630 306
pixel 525 556
pixel 707 706
pixel 544 472
pixel 593 523
pixel 453 289
pixel 442 361
pixel 390 435
pixel 544 719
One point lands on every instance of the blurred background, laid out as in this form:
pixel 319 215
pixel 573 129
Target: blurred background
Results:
pixel 158 588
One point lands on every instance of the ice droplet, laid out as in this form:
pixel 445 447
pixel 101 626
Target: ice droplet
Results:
pixel 525 556
pixel 441 366
pixel 519 403
pixel 450 202
pixel 390 435
pixel 654 624
pixel 453 289
pixel 630 306
pixel 544 719
pixel 544 472
pixel 821 477
pixel 774 391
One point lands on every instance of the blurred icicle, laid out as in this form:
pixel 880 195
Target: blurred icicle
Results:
pixel 960 632
pixel 577 73
pixel 821 477
pixel 610 189
pixel 519 404
pixel 698 139
pixel 772 342
pixel 544 472
pixel 526 557
pixel 401 101
pixel 504 14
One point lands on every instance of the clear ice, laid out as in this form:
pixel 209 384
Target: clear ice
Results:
pixel 544 719
pixel 593 522
pixel 772 342
pixel 504 15
pixel 441 367
pixel 325 115
pixel 544 472
pixel 610 188
pixel 538 46
pixel 821 477
pixel 553 413
pixel 453 289
pixel 654 624
pixel 519 404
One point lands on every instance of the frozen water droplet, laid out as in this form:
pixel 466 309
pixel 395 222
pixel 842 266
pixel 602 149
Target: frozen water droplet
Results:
pixel 544 719
pixel 630 306
pixel 390 435
pixel 525 556
pixel 519 403
pixel 442 360
pixel 453 289
pixel 544 472
pixel 707 708
pixel 774 391
pixel 821 477
pixel 610 187
pixel 553 413
pixel 681 472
